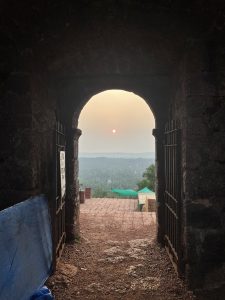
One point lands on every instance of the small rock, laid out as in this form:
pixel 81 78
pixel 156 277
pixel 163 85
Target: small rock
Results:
pixel 67 270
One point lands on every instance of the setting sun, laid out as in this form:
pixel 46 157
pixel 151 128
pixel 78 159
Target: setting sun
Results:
pixel 120 121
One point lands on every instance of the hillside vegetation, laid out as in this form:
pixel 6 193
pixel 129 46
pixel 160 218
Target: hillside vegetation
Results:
pixel 104 173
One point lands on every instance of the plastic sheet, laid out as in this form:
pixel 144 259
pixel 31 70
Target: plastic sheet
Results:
pixel 25 247
pixel 42 294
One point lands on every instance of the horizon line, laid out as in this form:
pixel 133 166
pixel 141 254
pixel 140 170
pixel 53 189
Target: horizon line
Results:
pixel 118 152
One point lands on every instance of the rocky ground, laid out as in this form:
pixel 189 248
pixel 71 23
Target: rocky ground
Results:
pixel 116 257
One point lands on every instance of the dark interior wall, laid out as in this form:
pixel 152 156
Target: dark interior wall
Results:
pixel 200 105
pixel 44 114
pixel 16 178
pixel 27 110
pixel 205 173
pixel 27 121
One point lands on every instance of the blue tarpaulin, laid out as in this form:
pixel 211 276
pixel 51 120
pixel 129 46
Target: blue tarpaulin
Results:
pixel 42 294
pixel 25 248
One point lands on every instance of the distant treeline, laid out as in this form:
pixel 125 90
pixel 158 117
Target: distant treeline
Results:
pixel 103 174
pixel 146 155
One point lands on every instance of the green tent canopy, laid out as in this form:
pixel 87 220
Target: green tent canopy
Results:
pixel 126 193
pixel 146 191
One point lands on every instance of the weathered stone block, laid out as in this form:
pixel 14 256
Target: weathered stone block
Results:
pixel 202 216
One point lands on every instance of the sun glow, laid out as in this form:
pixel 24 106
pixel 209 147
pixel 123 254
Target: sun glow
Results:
pixel 120 121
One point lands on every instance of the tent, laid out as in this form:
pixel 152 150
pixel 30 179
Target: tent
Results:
pixel 126 193
pixel 146 191
pixel 145 194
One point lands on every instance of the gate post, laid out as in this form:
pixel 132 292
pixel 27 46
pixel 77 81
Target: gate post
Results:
pixel 160 183
pixel 72 185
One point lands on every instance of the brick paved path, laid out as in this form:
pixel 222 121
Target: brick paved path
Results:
pixel 117 212
pixel 116 258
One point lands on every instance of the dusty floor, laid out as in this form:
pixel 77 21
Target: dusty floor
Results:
pixel 116 258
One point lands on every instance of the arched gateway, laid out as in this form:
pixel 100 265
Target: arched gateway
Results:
pixel 55 55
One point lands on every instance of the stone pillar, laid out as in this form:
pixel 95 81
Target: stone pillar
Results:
pixel 160 182
pixel 204 187
pixel 72 185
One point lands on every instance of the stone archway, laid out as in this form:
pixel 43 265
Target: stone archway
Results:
pixel 56 55
pixel 160 117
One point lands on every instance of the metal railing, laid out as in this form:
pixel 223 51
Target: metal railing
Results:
pixel 173 201
pixel 58 213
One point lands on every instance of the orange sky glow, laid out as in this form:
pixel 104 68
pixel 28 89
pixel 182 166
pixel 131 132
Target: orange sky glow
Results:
pixel 116 121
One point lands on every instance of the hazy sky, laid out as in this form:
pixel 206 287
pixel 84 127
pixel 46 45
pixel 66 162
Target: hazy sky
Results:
pixel 116 121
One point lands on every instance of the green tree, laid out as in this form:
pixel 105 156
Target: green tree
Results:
pixel 148 179
pixel 99 192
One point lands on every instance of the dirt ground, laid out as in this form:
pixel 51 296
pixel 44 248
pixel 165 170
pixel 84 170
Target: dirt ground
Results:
pixel 116 257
